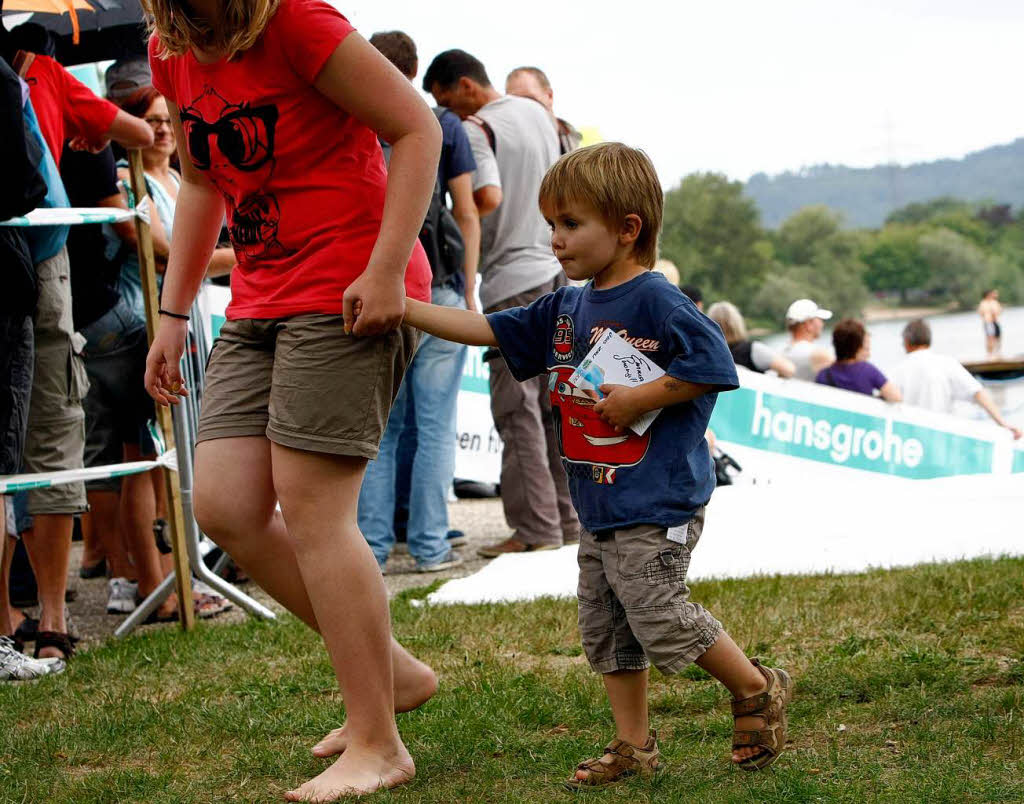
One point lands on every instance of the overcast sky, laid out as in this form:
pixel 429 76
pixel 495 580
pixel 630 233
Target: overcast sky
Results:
pixel 738 86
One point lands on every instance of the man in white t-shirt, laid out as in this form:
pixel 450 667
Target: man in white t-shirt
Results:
pixel 934 381
pixel 513 144
pixel 805 322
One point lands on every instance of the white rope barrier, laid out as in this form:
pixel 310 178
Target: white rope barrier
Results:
pixel 73 216
pixel 12 483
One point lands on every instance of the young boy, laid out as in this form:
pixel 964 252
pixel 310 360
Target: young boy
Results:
pixel 640 498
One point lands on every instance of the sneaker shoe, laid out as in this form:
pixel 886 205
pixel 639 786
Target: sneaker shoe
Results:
pixel 456 538
pixel 15 666
pixel 121 596
pixel 512 545
pixel 453 559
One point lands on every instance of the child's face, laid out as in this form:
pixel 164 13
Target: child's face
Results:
pixel 581 239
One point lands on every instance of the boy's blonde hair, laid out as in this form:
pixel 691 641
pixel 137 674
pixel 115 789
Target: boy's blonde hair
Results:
pixel 617 181
pixel 241 23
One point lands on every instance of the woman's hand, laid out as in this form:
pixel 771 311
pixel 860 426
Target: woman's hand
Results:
pixel 375 302
pixel 163 363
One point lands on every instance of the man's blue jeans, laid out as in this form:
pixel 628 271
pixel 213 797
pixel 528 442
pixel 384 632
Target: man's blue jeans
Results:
pixel 430 389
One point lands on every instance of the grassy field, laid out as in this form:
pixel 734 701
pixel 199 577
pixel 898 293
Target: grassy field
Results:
pixel 909 687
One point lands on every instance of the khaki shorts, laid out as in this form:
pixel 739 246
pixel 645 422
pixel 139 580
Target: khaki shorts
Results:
pixel 303 383
pixel 634 607
pixel 56 423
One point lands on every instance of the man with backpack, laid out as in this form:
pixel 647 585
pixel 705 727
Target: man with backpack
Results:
pixel 514 144
pixel 427 398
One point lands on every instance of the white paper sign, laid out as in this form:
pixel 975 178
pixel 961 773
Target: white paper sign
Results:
pixel 612 361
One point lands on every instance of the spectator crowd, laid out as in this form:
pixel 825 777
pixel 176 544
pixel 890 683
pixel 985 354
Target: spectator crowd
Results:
pixel 74 337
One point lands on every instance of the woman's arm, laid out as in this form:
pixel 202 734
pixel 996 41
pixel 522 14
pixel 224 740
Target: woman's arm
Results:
pixel 157 233
pixel 465 214
pixel 221 263
pixel 198 213
pixel 450 323
pixel 783 366
pixel 890 392
pixel 358 79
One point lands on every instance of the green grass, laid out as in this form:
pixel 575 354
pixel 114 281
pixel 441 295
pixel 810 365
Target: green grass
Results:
pixel 909 687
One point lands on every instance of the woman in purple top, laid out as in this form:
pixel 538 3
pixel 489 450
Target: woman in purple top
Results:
pixel 852 371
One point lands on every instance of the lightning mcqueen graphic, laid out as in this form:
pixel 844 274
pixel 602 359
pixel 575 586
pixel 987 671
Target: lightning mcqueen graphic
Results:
pixel 583 437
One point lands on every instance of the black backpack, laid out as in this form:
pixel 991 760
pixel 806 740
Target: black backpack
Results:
pixel 440 234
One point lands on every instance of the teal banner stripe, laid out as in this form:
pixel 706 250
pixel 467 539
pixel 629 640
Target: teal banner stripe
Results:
pixel 846 438
pixel 476 374
pixel 1018 461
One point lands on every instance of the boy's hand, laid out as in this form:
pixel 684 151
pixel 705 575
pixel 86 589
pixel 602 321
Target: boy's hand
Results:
pixel 619 407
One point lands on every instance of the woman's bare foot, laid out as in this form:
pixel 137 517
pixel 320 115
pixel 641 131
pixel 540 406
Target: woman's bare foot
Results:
pixel 415 684
pixel 357 772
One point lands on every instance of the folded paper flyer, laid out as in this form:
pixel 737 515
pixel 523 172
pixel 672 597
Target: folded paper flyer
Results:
pixel 613 361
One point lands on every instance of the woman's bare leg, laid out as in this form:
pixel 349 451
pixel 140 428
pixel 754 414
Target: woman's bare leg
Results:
pixel 319 495
pixel 237 509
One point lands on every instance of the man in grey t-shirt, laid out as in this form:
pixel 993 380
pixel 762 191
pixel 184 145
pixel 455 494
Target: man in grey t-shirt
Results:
pixel 513 144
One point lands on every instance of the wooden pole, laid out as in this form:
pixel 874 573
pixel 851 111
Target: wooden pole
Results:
pixel 147 272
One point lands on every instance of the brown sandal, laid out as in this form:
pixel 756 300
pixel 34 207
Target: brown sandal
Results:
pixel 627 760
pixel 770 706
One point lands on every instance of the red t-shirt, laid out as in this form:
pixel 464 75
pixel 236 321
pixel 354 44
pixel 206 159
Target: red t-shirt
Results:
pixel 303 180
pixel 65 106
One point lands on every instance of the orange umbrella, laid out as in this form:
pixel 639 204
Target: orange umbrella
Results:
pixel 51 7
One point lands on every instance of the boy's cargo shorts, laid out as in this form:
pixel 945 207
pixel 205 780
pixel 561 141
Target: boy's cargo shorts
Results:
pixel 303 383
pixel 634 607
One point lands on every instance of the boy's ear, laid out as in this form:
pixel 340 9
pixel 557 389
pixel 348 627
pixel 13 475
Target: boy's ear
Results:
pixel 630 229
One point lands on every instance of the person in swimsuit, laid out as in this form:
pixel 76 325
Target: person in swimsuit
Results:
pixel 990 309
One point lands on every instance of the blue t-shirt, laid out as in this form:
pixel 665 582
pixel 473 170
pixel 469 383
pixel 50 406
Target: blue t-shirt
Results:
pixel 46 241
pixel 618 480
pixel 456 152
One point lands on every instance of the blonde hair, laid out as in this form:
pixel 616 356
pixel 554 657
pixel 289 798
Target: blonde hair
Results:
pixel 617 181
pixel 729 318
pixel 240 24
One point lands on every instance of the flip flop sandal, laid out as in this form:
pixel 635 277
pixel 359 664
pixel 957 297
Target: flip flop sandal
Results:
pixel 208 606
pixel 627 760
pixel 770 707
pixel 54 639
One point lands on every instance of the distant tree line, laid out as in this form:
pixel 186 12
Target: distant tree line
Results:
pixel 944 251
pixel 866 196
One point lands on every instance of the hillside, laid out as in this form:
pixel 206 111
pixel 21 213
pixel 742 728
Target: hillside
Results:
pixel 865 196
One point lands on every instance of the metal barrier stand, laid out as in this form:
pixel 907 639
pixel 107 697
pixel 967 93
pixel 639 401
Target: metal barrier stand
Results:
pixel 177 428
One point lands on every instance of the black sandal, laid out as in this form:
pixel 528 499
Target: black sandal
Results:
pixel 26 632
pixel 54 639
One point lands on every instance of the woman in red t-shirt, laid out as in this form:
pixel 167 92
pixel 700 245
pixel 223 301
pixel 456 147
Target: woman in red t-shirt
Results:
pixel 276 107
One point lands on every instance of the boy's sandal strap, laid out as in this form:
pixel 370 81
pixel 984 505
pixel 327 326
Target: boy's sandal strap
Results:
pixel 752 705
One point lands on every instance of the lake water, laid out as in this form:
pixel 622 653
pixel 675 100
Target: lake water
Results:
pixel 956 334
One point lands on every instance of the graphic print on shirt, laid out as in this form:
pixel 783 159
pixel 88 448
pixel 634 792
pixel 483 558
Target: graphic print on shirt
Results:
pixel 562 340
pixel 584 437
pixel 234 144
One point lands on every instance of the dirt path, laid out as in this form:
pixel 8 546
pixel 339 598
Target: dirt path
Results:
pixel 481 520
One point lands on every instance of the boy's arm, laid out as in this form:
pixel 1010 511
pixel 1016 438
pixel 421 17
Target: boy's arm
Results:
pixel 623 405
pixel 450 323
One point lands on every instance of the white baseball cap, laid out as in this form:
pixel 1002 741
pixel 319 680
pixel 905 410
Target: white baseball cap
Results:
pixel 804 310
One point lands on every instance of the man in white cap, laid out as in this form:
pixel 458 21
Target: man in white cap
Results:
pixel 805 322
